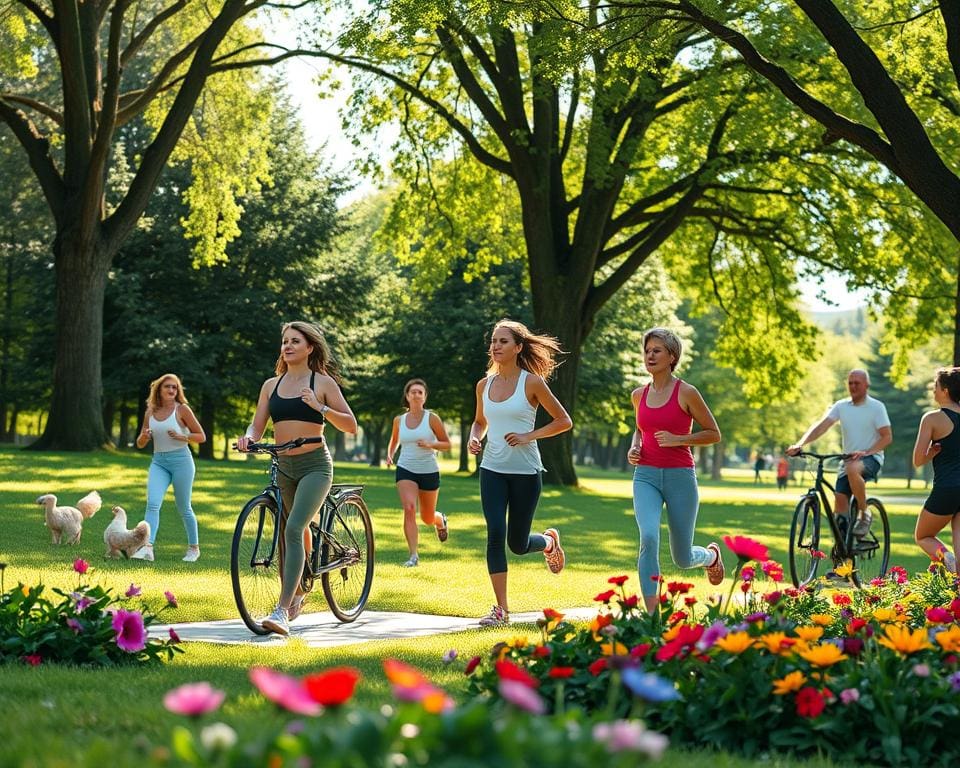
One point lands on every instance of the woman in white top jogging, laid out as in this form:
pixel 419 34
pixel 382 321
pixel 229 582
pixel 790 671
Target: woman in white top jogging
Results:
pixel 170 423
pixel 420 434
pixel 510 481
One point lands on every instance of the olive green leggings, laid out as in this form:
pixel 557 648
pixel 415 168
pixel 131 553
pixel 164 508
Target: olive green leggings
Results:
pixel 304 481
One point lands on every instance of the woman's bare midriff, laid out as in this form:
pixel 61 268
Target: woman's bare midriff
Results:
pixel 291 430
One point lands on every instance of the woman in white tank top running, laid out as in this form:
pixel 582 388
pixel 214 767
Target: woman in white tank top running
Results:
pixel 420 434
pixel 510 481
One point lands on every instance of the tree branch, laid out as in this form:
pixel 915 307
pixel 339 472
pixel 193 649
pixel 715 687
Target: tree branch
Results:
pixel 38 154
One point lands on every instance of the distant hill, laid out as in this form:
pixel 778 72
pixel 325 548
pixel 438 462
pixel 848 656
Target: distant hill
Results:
pixel 844 322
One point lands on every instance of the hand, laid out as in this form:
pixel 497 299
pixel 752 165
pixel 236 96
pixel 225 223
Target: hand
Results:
pixel 664 439
pixel 516 438
pixel 474 445
pixel 389 460
pixel 794 449
pixel 934 449
pixel 174 435
pixel 424 444
pixel 856 455
pixel 243 442
pixel 310 398
pixel 633 455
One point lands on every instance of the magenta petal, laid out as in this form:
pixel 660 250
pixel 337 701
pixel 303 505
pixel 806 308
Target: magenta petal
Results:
pixel 284 691
pixel 522 696
pixel 193 699
pixel 131 634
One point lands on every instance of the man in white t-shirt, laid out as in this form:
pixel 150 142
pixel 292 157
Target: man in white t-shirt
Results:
pixel 866 432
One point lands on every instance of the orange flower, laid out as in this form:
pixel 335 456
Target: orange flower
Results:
pixel 949 639
pixel 613 648
pixel 903 640
pixel 792 682
pixel 822 619
pixel 809 634
pixel 776 642
pixel 825 655
pixel 735 642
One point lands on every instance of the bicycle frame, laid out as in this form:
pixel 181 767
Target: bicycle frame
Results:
pixel 820 487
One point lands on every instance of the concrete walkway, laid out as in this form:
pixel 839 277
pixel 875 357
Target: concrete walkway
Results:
pixel 323 630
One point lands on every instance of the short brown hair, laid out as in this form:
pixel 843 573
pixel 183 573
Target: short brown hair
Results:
pixel 669 339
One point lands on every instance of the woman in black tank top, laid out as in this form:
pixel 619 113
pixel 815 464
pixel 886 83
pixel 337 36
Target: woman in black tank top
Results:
pixel 938 440
pixel 299 400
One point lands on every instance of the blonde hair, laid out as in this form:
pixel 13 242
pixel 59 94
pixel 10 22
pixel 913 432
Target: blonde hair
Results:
pixel 669 339
pixel 538 352
pixel 411 383
pixel 153 398
pixel 320 359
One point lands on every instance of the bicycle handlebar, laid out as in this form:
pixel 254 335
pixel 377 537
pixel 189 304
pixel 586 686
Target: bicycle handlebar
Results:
pixel 275 448
pixel 822 456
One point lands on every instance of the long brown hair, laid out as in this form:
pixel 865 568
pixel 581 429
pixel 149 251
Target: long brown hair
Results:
pixel 153 399
pixel 320 359
pixel 406 389
pixel 538 351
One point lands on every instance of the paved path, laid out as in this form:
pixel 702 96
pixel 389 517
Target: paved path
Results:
pixel 323 630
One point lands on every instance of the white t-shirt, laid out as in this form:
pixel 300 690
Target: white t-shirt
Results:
pixel 860 424
pixel 515 414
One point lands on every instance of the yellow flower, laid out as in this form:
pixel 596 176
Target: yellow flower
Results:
pixel 884 615
pixel 518 642
pixel 735 642
pixel 792 682
pixel 25 589
pixel 613 648
pixel 904 640
pixel 823 655
pixel 911 597
pixel 949 639
pixel 776 642
pixel 809 634
pixel 671 633
pixel 822 619
pixel 844 570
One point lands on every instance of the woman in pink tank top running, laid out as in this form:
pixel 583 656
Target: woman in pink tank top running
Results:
pixel 665 473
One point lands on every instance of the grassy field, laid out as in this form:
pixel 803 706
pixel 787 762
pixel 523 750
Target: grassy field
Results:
pixel 58 716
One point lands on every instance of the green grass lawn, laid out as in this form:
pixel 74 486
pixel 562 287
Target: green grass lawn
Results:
pixel 58 716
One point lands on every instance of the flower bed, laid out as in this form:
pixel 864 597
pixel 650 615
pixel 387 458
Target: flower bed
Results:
pixel 87 626
pixel 868 675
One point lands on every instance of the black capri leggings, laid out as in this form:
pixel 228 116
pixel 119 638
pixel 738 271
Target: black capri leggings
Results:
pixel 518 493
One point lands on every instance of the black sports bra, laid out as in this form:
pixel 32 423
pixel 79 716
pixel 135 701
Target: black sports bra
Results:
pixel 292 408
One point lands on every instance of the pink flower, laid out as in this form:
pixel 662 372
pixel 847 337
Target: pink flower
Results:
pixel 75 625
pixel 284 691
pixel 921 670
pixel 774 570
pixel 131 635
pixel 471 665
pixel 133 591
pixel 522 696
pixel 33 659
pixel 174 637
pixel 193 699
pixel 81 566
pixel 81 601
pixel 171 600
pixel 849 695
pixel 630 735
pixel 746 548
pixel 939 616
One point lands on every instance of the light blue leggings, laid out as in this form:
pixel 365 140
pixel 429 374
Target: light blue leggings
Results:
pixel 174 467
pixel 677 488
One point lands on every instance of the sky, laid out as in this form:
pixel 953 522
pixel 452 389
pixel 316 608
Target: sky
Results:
pixel 322 125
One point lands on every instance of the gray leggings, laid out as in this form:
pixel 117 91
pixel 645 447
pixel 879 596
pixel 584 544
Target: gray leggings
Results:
pixel 304 481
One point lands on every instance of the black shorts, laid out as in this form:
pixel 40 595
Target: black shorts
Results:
pixel 943 500
pixel 429 481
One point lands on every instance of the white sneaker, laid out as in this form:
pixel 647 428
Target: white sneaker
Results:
pixel 277 621
pixel 192 556
pixel 413 562
pixel 950 561
pixel 144 553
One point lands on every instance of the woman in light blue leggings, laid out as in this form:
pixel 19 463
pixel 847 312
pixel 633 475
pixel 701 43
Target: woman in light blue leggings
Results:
pixel 171 425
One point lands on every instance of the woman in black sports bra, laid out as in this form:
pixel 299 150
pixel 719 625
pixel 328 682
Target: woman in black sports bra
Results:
pixel 302 396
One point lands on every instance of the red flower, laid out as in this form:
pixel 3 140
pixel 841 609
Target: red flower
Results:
pixel 841 599
pixel 852 646
pixel 773 598
pixel 955 608
pixel 631 602
pixel 855 625
pixel 605 597
pixel 818 555
pixel 810 702
pixel 657 578
pixel 774 570
pixel 618 580
pixel 676 617
pixel 551 615
pixel 507 670
pixel 597 667
pixel 640 651
pixel 81 566
pixel 561 672
pixel 33 659
pixel 746 548
pixel 678 587
pixel 471 665
pixel 689 600
pixel 685 640
pixel 541 651
pixel 939 616
pixel 333 687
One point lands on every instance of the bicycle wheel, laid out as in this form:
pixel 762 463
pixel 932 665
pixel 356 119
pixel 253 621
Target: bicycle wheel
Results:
pixel 871 554
pixel 348 540
pixel 805 540
pixel 254 563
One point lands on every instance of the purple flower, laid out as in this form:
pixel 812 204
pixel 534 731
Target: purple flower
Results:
pixel 449 656
pixel 711 634
pixel 630 735
pixel 171 600
pixel 646 685
pixel 81 601
pixel 193 699
pixel 954 681
pixel 284 691
pixel 758 616
pixel 522 696
pixel 133 591
pixel 131 635
pixel 849 695
pixel 75 625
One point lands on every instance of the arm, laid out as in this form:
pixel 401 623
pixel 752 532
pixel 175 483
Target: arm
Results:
pixel 394 439
pixel 442 442
pixel 811 434
pixel 925 449
pixel 334 408
pixel 260 417
pixel 146 434
pixel 633 454
pixel 542 396
pixel 187 419
pixel 693 403
pixel 479 428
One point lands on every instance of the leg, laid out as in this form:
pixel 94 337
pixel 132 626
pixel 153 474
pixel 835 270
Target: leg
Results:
pixel 407 490
pixel 311 491
pixel 158 480
pixel 493 499
pixel 647 508
pixel 428 506
pixel 682 499
pixel 925 534
pixel 523 495
pixel 858 485
pixel 183 470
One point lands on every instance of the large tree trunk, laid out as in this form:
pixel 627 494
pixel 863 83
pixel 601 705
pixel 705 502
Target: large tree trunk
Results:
pixel 75 422
pixel 464 465
pixel 207 418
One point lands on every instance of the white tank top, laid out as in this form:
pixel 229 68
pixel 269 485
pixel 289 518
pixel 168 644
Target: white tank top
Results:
pixel 162 442
pixel 413 458
pixel 515 414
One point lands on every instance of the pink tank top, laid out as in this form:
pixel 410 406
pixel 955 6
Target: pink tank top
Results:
pixel 671 417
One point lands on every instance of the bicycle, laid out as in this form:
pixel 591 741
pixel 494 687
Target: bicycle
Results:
pixel 869 556
pixel 342 553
